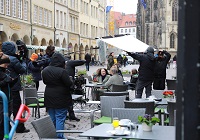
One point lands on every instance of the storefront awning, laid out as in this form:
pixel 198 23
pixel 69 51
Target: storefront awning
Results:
pixel 44 47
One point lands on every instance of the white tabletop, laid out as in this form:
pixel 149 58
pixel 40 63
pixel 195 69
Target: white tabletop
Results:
pixel 158 132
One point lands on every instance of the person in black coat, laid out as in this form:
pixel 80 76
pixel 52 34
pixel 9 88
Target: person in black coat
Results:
pixel 70 67
pixel 6 82
pixel 146 71
pixel 120 60
pixel 160 70
pixel 16 68
pixel 57 96
pixel 87 63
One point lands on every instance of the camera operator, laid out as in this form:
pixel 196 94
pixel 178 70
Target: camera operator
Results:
pixel 16 68
pixel 22 50
pixel 50 50
pixel 70 67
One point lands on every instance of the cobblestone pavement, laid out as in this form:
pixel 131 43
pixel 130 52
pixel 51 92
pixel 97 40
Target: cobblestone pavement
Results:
pixel 84 123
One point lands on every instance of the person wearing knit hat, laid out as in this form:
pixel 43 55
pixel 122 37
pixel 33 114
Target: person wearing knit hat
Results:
pixel 6 82
pixel 34 57
pixel 16 68
pixel 57 91
pixel 4 60
pixel 35 69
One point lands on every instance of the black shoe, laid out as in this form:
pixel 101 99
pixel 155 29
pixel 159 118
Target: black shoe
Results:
pixel 24 131
pixel 74 118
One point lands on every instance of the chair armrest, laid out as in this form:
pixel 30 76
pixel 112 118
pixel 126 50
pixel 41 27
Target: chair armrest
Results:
pixel 92 116
pixel 69 131
pixel 31 98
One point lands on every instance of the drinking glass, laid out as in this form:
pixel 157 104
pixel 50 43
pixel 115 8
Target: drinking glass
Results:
pixel 115 122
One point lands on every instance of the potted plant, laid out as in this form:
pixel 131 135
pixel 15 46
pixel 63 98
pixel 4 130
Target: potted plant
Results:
pixel 27 81
pixel 82 72
pixel 168 94
pixel 148 121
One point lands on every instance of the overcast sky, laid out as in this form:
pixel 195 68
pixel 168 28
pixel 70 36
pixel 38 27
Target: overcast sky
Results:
pixel 125 6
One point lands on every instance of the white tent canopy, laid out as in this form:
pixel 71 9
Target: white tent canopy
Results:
pixel 127 43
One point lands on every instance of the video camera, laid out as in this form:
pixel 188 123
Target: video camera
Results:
pixel 23 51
pixel 79 81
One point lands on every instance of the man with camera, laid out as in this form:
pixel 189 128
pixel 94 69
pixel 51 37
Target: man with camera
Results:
pixel 70 67
pixel 16 67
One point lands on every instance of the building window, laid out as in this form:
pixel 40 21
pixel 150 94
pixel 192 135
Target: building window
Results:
pixel 35 13
pixel 1 6
pixel 175 11
pixel 65 20
pixel 73 4
pixel 8 7
pixel 172 40
pixel 50 18
pixel 40 16
pixel 26 10
pixel 133 29
pixel 20 9
pixel 57 19
pixel 45 17
pixel 14 8
pixel 121 30
pixel 130 23
pixel 126 23
pixel 73 24
pixel 125 30
pixel 87 30
pixel 61 19
pixel 129 30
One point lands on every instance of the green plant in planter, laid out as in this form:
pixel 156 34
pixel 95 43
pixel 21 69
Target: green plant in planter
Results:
pixel 27 80
pixel 125 72
pixel 148 119
pixel 82 72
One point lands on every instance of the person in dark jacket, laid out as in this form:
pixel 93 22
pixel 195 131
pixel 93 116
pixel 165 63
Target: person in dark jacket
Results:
pixel 110 60
pixel 87 63
pixel 70 67
pixel 160 70
pixel 120 60
pixel 125 59
pixel 16 68
pixel 35 69
pixel 57 96
pixel 146 71
pixel 6 82
pixel 50 50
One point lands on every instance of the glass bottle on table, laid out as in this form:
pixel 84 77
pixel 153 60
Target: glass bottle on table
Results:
pixel 115 122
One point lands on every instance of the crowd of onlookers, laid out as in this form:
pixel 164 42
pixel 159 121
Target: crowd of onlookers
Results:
pixel 58 72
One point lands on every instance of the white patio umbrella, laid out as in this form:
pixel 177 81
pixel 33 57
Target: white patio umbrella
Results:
pixel 127 43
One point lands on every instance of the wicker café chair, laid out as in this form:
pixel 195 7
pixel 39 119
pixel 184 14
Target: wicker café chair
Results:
pixel 171 84
pixel 119 88
pixel 122 93
pixel 128 113
pixel 45 129
pixel 107 103
pixel 140 103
